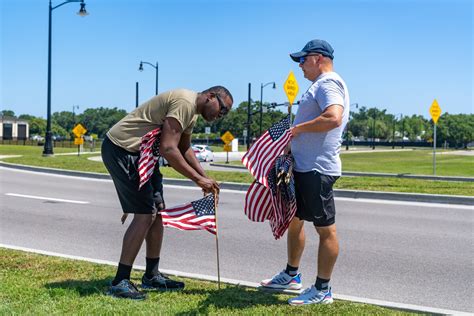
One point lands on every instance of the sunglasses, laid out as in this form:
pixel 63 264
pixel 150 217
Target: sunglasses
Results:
pixel 223 110
pixel 303 59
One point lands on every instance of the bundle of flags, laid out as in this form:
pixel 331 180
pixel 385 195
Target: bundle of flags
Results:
pixel 272 195
pixel 149 154
pixel 197 215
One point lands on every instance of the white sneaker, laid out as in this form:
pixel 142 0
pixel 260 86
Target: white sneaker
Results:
pixel 283 281
pixel 312 296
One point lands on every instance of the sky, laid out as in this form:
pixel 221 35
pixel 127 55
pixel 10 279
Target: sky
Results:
pixel 397 55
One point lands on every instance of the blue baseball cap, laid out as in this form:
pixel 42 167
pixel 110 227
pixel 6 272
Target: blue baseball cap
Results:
pixel 315 46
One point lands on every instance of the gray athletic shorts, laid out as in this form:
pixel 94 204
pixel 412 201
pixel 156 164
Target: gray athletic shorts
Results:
pixel 122 166
pixel 315 198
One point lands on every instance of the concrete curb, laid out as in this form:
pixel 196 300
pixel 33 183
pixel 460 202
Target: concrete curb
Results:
pixel 387 304
pixel 378 174
pixel 377 195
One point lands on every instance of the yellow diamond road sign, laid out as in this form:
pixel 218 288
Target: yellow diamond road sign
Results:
pixel 79 130
pixel 291 87
pixel 435 111
pixel 227 137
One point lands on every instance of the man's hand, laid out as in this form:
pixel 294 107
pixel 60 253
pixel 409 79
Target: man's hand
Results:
pixel 208 185
pixel 294 132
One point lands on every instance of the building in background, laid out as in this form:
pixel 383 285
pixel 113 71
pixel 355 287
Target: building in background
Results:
pixel 13 129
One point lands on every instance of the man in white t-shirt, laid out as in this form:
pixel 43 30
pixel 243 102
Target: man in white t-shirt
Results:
pixel 322 114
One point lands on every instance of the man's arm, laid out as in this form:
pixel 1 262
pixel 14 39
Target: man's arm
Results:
pixel 169 149
pixel 328 120
pixel 188 154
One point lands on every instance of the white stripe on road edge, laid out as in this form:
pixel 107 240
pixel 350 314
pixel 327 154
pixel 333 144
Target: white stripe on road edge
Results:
pixel 407 307
pixel 46 198
pixel 173 186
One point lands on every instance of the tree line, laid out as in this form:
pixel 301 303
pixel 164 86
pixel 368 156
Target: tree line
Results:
pixel 364 124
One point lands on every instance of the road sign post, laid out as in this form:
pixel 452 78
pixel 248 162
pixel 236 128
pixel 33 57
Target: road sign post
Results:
pixel 227 139
pixel 291 89
pixel 79 131
pixel 435 112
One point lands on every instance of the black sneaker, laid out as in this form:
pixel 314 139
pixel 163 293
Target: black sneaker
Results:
pixel 126 289
pixel 161 282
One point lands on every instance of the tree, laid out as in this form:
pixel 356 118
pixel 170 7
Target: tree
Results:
pixel 100 120
pixel 64 119
pixel 457 129
pixel 9 113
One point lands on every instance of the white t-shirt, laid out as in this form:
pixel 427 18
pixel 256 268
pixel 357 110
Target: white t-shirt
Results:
pixel 320 151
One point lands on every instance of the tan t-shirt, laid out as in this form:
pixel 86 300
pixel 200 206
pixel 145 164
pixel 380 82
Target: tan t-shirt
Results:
pixel 179 104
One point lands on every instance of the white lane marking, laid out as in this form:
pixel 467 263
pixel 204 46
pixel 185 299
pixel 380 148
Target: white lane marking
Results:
pixel 409 307
pixel 173 186
pixel 45 198
pixel 407 203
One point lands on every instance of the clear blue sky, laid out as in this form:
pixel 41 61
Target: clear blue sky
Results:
pixel 397 54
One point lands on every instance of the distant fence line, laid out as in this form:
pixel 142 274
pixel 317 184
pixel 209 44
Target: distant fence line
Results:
pixel 56 143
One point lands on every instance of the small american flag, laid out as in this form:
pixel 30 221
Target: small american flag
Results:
pixel 149 154
pixel 197 215
pixel 261 156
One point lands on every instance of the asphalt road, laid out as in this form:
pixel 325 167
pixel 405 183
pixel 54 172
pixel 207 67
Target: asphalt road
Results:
pixel 402 252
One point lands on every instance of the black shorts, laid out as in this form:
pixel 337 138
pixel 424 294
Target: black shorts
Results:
pixel 123 168
pixel 315 198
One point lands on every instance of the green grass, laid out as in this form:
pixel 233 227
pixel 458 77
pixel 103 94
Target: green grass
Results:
pixel 407 162
pixel 32 156
pixel 41 285
pixel 413 162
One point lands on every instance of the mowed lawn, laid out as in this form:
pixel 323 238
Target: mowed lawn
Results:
pixel 419 161
pixel 369 162
pixel 33 284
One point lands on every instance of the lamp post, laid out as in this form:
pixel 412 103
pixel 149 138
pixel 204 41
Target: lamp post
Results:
pixel 48 144
pixel 373 129
pixel 261 101
pixel 140 68
pixel 249 116
pixel 74 115
pixel 403 130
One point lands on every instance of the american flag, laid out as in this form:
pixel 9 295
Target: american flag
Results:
pixel 261 156
pixel 197 215
pixel 282 187
pixel 149 154
pixel 277 203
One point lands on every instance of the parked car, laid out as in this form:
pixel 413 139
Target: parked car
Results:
pixel 162 162
pixel 203 153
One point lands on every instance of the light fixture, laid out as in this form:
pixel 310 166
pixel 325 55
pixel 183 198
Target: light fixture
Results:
pixel 82 12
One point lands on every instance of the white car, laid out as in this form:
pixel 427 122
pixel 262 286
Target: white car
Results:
pixel 203 153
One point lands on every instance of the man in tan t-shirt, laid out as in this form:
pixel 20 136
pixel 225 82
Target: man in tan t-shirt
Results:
pixel 175 112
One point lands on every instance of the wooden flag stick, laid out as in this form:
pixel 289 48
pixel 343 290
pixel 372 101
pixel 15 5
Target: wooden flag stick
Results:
pixel 217 243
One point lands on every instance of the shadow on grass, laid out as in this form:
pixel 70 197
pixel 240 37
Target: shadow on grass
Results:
pixel 81 287
pixel 231 297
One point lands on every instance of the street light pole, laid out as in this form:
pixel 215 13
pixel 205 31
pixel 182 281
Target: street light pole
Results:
pixel 74 115
pixel 136 94
pixel 48 144
pixel 140 68
pixel 261 101
pixel 373 130
pixel 249 116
